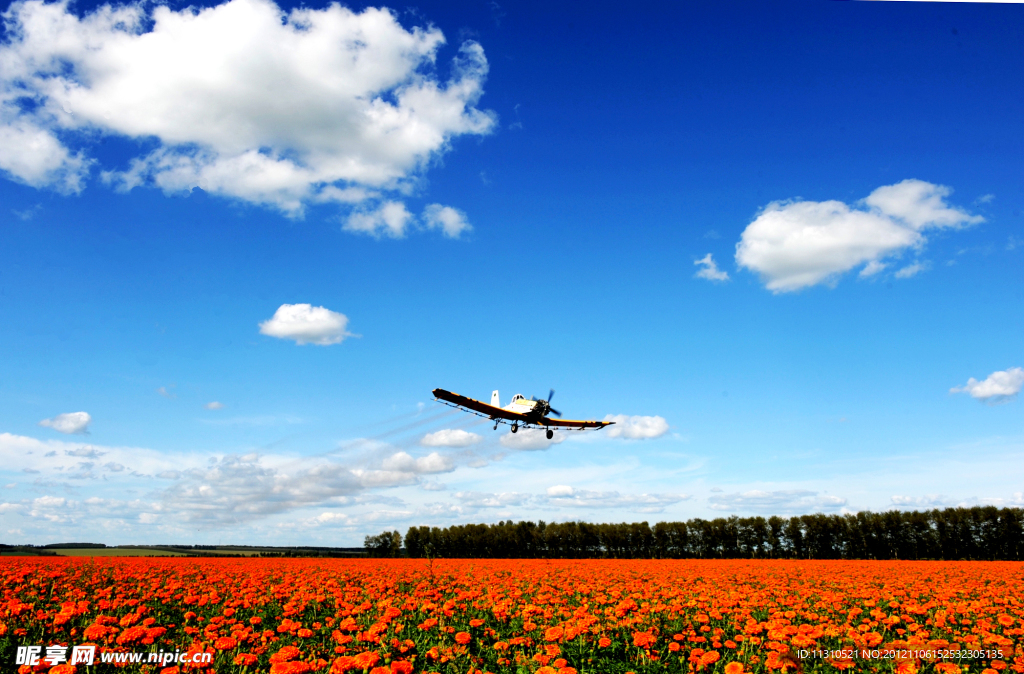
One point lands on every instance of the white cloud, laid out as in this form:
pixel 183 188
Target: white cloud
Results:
pixel 475 499
pixel 774 502
pixel 214 405
pixel 245 100
pixel 911 270
pixel 928 501
pixel 528 439
pixel 1000 386
pixel 432 463
pixel 635 427
pixel 306 324
pixel 564 495
pixel 449 220
pixel 450 437
pixel 797 244
pixel 433 485
pixel 72 422
pixel 389 218
pixel 85 451
pixel 709 270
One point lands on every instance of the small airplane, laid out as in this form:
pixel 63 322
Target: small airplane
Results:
pixel 532 413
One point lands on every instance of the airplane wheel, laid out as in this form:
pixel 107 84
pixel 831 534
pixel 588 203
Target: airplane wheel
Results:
pixel 515 427
pixel 550 434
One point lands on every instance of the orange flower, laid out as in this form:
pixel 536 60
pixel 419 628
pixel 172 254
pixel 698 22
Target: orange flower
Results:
pixel 709 658
pixel 604 642
pixel 476 622
pixel 644 639
pixel 245 659
pixel 305 633
pixel 734 668
pixel 224 644
pixel 285 654
pixel 401 667
pixel 63 669
pixel 553 633
pixel 463 638
pixel 297 667
pixel 366 660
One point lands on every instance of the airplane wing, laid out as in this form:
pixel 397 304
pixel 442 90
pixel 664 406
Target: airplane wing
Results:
pixel 571 423
pixel 477 406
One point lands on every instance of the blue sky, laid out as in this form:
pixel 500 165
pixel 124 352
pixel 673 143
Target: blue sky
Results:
pixel 313 221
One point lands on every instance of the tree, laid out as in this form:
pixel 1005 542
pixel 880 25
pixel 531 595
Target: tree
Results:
pixel 387 544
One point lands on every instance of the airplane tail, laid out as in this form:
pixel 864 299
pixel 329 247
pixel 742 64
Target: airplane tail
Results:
pixel 494 399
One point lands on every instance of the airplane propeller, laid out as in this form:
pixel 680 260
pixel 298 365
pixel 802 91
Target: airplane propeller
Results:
pixel 547 404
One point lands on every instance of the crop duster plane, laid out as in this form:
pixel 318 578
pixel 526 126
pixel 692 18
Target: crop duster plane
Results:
pixel 532 413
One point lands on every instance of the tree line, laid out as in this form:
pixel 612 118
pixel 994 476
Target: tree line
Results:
pixel 978 533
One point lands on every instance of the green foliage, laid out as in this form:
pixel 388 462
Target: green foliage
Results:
pixel 387 544
pixel 984 533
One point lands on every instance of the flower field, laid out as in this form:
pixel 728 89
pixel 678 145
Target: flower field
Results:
pixel 289 616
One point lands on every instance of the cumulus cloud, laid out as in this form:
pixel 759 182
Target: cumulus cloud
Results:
pixel 85 451
pixel 564 495
pixel 306 324
pixel 450 437
pixel 387 219
pixel 432 463
pixel 911 270
pixel 214 405
pixel 242 99
pixel 927 501
pixel 72 422
pixel 449 220
pixel 793 501
pixel 475 499
pixel 635 427
pixel 998 387
pixel 797 244
pixel 709 270
pixel 529 439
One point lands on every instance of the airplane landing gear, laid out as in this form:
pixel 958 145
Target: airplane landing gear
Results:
pixel 495 425
pixel 550 434
pixel 515 426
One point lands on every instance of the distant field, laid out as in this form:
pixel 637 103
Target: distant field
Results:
pixel 143 552
pixel 115 552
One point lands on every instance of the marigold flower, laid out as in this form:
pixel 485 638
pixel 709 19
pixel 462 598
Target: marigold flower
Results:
pixel 285 654
pixel 401 667
pixel 734 668
pixel 463 638
pixel 553 633
pixel 366 660
pixel 644 639
pixel 709 657
pixel 305 633
pixel 604 642
pixel 245 659
pixel 295 667
pixel 224 644
pixel 476 622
